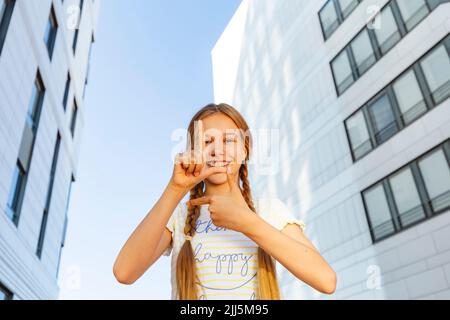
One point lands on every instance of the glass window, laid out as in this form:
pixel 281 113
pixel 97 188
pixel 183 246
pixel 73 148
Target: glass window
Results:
pixel 73 122
pixel 329 18
pixel 342 72
pixel 34 104
pixel 378 211
pixel 358 134
pixel 406 197
pixel 434 3
pixel 6 10
pixel 16 190
pixel 49 196
pixel 5 294
pixel 436 174
pixel 66 91
pixel 409 97
pixel 436 67
pixel 383 119
pixel 50 32
pixel 412 11
pixel 347 6
pixel 387 32
pixel 75 41
pixel 2 9
pixel 363 52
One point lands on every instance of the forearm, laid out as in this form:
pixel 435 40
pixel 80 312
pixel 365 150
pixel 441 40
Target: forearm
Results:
pixel 302 261
pixel 136 254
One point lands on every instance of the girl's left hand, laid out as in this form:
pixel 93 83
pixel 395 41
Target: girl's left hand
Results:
pixel 230 211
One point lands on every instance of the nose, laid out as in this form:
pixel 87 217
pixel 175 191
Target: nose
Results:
pixel 215 149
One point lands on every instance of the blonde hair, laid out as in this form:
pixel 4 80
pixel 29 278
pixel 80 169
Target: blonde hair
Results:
pixel 186 277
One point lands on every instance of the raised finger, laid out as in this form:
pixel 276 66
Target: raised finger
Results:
pixel 198 141
pixel 198 169
pixel 190 169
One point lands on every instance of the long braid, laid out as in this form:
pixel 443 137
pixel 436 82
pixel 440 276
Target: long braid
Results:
pixel 268 288
pixel 186 273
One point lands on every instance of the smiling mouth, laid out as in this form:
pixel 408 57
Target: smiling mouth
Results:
pixel 218 163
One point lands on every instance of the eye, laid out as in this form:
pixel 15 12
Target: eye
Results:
pixel 230 140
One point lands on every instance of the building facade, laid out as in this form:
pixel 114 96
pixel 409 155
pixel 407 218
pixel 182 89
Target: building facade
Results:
pixel 45 49
pixel 358 91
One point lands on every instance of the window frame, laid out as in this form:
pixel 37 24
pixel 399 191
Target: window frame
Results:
pixel 48 201
pixel 349 54
pixel 67 91
pixel 74 117
pixel 378 52
pixel 29 152
pixel 446 48
pixel 5 21
pixel 356 68
pixel 384 93
pixel 340 16
pixel 427 5
pixel 53 32
pixel 421 188
pixel 9 295
pixel 423 85
pixel 16 192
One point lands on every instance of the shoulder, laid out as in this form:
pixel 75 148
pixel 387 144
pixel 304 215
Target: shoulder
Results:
pixel 269 205
pixel 277 213
pixel 179 214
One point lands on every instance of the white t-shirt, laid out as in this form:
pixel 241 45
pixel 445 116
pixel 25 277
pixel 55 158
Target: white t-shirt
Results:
pixel 226 260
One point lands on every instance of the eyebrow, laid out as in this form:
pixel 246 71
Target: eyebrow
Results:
pixel 231 134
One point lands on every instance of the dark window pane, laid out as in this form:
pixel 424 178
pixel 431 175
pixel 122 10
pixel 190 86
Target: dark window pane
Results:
pixel 75 41
pixel 383 119
pixel 5 294
pixel 35 103
pixel 16 191
pixel 66 91
pixel 73 121
pixel 49 197
pixel 2 9
pixel 6 10
pixel 50 32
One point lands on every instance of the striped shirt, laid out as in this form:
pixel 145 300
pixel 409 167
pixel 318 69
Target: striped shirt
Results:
pixel 226 261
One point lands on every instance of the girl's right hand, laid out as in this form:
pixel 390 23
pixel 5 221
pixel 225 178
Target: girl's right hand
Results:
pixel 188 172
pixel 190 167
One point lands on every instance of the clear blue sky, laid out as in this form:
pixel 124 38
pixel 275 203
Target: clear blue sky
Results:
pixel 151 70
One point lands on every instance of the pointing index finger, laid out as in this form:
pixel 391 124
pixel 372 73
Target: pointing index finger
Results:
pixel 198 201
pixel 231 180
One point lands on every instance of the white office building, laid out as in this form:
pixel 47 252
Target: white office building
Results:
pixel 359 91
pixel 45 48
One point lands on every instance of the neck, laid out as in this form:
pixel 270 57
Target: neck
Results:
pixel 217 189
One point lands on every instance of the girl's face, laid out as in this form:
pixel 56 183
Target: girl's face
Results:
pixel 223 145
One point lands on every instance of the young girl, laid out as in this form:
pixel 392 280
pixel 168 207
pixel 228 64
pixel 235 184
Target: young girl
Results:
pixel 223 244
